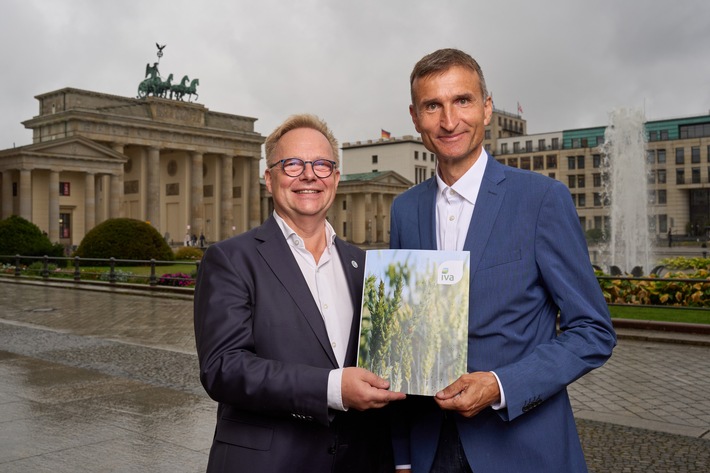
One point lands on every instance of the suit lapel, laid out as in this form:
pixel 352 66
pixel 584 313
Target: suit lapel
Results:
pixel 427 216
pixel 488 203
pixel 280 259
pixel 353 265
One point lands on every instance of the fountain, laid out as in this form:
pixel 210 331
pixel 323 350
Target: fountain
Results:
pixel 626 192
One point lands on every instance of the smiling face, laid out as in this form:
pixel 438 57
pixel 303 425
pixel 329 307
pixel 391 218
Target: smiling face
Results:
pixel 304 200
pixel 451 114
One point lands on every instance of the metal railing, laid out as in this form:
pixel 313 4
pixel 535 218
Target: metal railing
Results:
pixel 57 267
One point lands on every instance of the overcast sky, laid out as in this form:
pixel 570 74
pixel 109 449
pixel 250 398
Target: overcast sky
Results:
pixel 568 63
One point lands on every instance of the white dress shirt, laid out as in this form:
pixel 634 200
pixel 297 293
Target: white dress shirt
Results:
pixel 330 291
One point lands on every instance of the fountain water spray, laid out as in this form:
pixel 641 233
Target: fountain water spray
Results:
pixel 626 192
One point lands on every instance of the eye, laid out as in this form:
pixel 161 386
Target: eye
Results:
pixel 464 101
pixel 431 107
pixel 293 163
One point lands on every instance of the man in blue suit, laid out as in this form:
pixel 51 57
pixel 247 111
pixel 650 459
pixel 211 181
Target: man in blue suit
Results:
pixel 277 312
pixel 529 263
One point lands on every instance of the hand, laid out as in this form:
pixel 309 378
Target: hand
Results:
pixel 470 394
pixel 361 389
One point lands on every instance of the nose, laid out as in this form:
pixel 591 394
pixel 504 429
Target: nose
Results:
pixel 308 174
pixel 448 118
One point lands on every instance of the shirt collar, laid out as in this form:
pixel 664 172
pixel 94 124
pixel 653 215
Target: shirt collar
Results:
pixel 470 183
pixel 290 234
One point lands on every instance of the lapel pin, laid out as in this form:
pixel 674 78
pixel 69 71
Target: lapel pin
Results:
pixel 354 263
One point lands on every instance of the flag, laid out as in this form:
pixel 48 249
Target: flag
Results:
pixel 385 134
pixel 520 109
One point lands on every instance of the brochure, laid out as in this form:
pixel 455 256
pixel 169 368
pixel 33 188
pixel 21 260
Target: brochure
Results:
pixel 414 322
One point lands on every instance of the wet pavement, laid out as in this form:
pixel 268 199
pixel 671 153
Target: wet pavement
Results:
pixel 107 381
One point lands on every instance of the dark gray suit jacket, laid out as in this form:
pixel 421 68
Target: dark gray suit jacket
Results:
pixel 265 356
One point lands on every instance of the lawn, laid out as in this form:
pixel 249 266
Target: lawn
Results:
pixel 661 314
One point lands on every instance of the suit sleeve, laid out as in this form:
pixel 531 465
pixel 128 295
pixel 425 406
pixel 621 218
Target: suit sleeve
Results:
pixel 586 336
pixel 231 371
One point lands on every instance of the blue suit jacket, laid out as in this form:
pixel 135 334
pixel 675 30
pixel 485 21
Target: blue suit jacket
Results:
pixel 265 356
pixel 529 262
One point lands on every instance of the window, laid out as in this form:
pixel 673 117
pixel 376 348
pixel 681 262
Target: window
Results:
pixel 596 160
pixel 374 159
pixel 488 135
pixel 662 198
pixel 580 162
pixel 661 153
pixel 551 161
pixel 597 180
pixel 695 154
pixel 528 146
pixel 651 177
pixel 581 200
pixel 416 155
pixel 525 162
pixel 504 148
pixel 64 188
pixel 598 223
pixel 663 223
pixel 516 147
pixel 538 163
pixel 597 203
pixel 345 204
pixel 555 143
pixel 513 162
pixel 651 156
pixel 432 156
pixel 709 153
pixel 664 135
pixel 423 155
pixel 680 176
pixel 580 181
pixel 651 197
pixel 652 136
pixel 661 176
pixel 575 142
pixel 571 181
pixel 64 225
pixel 680 156
pixel 552 175
pixel 571 162
pixel 541 144
pixel 420 174
pixel 695 175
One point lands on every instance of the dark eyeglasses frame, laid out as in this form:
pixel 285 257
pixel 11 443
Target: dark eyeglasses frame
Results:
pixel 282 162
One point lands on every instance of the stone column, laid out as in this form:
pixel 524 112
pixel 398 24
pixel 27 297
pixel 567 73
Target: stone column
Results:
pixel 153 191
pixel 197 194
pixel 369 220
pixel 53 229
pixel 380 218
pixel 254 188
pixel 118 147
pixel 6 194
pixel 89 201
pixel 226 216
pixel 25 194
pixel 114 207
pixel 349 218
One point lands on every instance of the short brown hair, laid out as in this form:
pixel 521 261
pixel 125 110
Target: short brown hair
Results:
pixel 294 122
pixel 441 61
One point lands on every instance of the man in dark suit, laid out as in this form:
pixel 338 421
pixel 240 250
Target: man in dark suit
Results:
pixel 529 263
pixel 276 325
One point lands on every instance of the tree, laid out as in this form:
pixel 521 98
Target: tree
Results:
pixel 124 238
pixel 19 236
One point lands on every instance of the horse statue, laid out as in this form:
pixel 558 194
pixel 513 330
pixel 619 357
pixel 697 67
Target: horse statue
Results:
pixel 164 87
pixel 192 89
pixel 178 90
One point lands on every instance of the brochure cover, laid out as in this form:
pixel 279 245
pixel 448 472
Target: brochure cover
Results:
pixel 414 324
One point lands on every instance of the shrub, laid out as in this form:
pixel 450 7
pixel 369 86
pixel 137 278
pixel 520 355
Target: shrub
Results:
pixel 188 253
pixel 176 280
pixel 124 238
pixel 19 236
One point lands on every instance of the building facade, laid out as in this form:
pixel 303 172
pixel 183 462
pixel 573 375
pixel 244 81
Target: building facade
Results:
pixel 94 156
pixel 406 156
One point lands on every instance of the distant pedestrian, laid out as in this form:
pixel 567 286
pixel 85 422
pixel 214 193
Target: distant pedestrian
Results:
pixel 187 239
pixel 202 240
pixel 670 237
pixel 194 240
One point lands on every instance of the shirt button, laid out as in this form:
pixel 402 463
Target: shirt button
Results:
pixel 333 344
pixel 451 218
pixel 325 306
pixel 296 242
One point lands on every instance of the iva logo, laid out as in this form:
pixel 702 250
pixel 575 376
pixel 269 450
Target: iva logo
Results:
pixel 450 272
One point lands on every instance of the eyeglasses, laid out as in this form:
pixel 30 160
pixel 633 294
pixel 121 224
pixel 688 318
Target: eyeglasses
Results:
pixel 294 167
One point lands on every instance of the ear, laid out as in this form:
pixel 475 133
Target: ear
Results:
pixel 488 110
pixel 415 118
pixel 267 179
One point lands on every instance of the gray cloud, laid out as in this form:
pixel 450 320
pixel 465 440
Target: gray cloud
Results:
pixel 567 63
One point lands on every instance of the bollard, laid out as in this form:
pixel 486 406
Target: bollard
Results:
pixel 153 279
pixel 77 273
pixel 45 267
pixel 112 270
pixel 17 266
